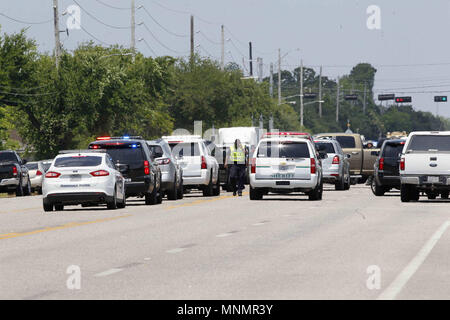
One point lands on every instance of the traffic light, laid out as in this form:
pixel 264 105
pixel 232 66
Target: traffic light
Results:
pixel 351 97
pixel 383 97
pixel 403 99
pixel 440 98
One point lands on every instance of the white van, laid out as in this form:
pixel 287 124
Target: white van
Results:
pixel 200 169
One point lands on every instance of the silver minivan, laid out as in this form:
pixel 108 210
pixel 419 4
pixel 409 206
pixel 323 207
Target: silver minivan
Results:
pixel 336 167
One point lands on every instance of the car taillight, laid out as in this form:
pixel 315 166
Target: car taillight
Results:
pixel 14 171
pixel 381 164
pixel 335 160
pixel 146 167
pixel 163 161
pixel 100 173
pixel 402 164
pixel 203 163
pixel 253 165
pixel 52 174
pixel 313 166
pixel 39 173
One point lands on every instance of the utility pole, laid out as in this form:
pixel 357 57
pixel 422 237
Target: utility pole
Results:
pixel 222 57
pixel 301 94
pixel 279 76
pixel 365 95
pixel 320 93
pixel 56 26
pixel 192 38
pixel 271 80
pixel 259 61
pixel 250 58
pixel 133 30
pixel 337 99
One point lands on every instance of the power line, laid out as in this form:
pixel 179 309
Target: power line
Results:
pixel 146 43
pixel 161 26
pixel 157 40
pixel 113 7
pixel 28 94
pixel 100 21
pixel 25 22
pixel 208 39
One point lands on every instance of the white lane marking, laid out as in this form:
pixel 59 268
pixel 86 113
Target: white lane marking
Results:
pixel 260 223
pixel 108 272
pixel 391 292
pixel 223 235
pixel 287 215
pixel 147 259
pixel 176 250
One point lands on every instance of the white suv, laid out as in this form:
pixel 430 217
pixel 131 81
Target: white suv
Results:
pixel 285 164
pixel 200 169
pixel 425 165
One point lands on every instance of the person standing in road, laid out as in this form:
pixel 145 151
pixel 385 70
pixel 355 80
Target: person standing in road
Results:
pixel 236 164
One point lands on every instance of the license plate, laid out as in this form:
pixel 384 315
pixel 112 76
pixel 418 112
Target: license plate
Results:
pixel 283 168
pixel 283 175
pixel 75 177
pixel 433 179
pixel 128 180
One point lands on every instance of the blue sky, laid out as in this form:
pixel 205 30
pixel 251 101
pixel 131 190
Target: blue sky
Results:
pixel 410 52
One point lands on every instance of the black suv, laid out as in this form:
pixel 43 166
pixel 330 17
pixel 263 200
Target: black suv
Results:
pixel 386 167
pixel 14 174
pixel 134 160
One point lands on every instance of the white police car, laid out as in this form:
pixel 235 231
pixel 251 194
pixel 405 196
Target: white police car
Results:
pixel 85 177
pixel 285 163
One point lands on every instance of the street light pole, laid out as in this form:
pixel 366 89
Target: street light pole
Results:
pixel 301 94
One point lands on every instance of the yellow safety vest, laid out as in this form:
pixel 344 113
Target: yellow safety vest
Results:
pixel 237 155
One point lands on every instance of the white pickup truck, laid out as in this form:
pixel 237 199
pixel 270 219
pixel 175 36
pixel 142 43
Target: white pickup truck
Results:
pixel 425 165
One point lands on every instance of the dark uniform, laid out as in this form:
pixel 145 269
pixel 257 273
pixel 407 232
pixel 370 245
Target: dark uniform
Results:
pixel 236 161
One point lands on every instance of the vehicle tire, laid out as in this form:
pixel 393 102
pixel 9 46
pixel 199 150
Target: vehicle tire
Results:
pixel 180 192
pixel 59 207
pixel 347 183
pixel 19 190
pixel 47 207
pixel 159 198
pixel 151 198
pixel 340 184
pixel 172 194
pixel 316 194
pixel 407 193
pixel 444 195
pixel 27 189
pixel 255 194
pixel 431 196
pixel 122 204
pixel 209 189
pixel 216 191
pixel 376 189
pixel 112 205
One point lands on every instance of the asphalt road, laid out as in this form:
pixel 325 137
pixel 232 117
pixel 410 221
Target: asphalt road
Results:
pixel 350 245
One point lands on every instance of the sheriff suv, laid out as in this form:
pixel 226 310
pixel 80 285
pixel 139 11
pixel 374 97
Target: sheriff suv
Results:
pixel 286 163
pixel 425 165
pixel 133 158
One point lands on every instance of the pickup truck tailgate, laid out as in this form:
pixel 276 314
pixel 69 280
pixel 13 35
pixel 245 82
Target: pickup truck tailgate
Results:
pixel 427 164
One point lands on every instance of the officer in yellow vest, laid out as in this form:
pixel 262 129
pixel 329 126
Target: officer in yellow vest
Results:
pixel 236 164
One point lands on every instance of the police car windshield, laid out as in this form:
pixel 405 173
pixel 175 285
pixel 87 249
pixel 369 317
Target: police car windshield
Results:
pixel 283 149
pixel 78 161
